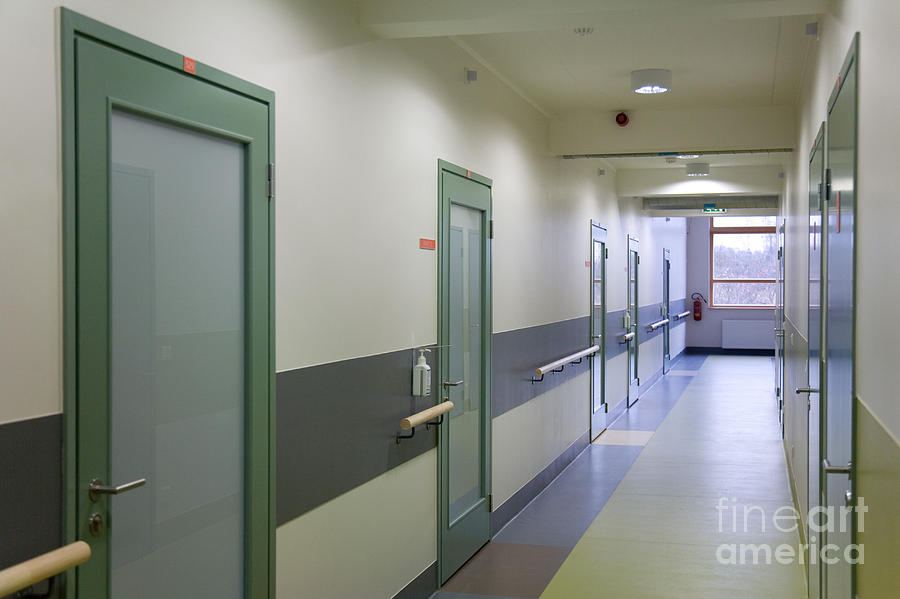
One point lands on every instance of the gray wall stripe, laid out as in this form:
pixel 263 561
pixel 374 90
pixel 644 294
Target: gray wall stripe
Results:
pixel 367 397
pixel 646 315
pixel 336 427
pixel 31 495
pixel 517 353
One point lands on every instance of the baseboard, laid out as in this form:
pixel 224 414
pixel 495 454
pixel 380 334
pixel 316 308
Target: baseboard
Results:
pixel 422 586
pixel 645 385
pixel 510 508
pixel 721 351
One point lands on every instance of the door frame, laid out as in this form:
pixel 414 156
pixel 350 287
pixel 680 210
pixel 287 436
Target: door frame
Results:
pixel 667 300
pixel 634 245
pixel 73 26
pixel 443 333
pixel 814 454
pixel 600 355
pixel 851 60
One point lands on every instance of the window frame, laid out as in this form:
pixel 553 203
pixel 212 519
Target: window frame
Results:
pixel 713 230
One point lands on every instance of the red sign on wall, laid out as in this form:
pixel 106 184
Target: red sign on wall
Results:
pixel 427 244
pixel 190 65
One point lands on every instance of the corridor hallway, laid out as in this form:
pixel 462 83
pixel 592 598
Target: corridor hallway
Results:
pixel 636 521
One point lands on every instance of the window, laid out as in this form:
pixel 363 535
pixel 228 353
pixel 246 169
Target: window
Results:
pixel 743 261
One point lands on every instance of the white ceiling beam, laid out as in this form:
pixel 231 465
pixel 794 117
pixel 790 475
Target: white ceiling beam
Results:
pixel 684 130
pixel 434 18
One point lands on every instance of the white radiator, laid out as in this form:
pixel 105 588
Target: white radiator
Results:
pixel 748 334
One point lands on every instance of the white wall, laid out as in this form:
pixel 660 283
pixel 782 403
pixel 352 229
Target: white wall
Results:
pixel 708 331
pixel 878 259
pixel 360 125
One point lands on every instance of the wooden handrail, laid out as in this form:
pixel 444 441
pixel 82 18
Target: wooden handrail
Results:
pixel 542 370
pixel 658 324
pixel 15 578
pixel 426 415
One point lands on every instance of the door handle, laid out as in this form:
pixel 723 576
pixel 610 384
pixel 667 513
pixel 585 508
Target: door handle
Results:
pixel 97 488
pixel 449 384
pixel 800 390
pixel 829 469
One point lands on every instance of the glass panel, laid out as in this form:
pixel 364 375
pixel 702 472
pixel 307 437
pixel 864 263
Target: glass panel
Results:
pixel 177 361
pixel 597 328
pixel 466 259
pixel 633 323
pixel 745 256
pixel 839 317
pixel 744 294
pixel 744 221
pixel 598 260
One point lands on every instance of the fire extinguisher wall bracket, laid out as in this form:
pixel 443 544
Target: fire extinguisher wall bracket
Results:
pixel 698 307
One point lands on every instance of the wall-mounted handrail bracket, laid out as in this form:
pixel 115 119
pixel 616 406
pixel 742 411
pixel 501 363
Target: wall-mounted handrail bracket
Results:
pixel 426 417
pixel 560 365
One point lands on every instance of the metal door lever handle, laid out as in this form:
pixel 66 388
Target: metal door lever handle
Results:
pixel 449 384
pixel 828 468
pixel 97 488
pixel 800 390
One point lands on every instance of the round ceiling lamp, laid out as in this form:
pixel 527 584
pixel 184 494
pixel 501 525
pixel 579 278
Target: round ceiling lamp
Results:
pixel 697 169
pixel 651 81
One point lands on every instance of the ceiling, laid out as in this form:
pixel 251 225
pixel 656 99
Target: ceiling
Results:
pixel 715 63
pixel 714 160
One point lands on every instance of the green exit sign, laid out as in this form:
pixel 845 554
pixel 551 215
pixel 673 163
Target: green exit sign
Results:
pixel 711 209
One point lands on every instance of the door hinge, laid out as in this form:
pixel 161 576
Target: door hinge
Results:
pixel 490 499
pixel 490 229
pixel 606 252
pixel 639 381
pixel 270 171
pixel 637 259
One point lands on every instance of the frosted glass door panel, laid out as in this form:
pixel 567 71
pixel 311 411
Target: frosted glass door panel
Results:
pixel 177 361
pixel 465 359
pixel 597 313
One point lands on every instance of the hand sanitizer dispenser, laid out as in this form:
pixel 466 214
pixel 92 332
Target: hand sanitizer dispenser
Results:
pixel 421 376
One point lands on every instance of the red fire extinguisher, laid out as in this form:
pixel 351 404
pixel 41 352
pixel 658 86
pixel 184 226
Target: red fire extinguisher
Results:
pixel 698 307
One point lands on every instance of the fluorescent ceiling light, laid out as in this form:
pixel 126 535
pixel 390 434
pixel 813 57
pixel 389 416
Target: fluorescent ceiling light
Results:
pixel 689 156
pixel 697 169
pixel 651 81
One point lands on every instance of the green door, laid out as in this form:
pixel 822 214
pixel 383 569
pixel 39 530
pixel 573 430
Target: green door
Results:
pixel 664 311
pixel 599 408
pixel 168 261
pixel 814 354
pixel 631 320
pixel 839 350
pixel 464 336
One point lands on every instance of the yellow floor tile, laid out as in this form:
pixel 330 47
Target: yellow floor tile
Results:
pixel 615 437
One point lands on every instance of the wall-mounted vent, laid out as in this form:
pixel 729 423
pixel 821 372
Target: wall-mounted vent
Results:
pixel 697 202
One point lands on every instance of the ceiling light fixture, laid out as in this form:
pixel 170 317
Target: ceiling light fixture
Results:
pixel 651 81
pixel 697 169
pixel 689 156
